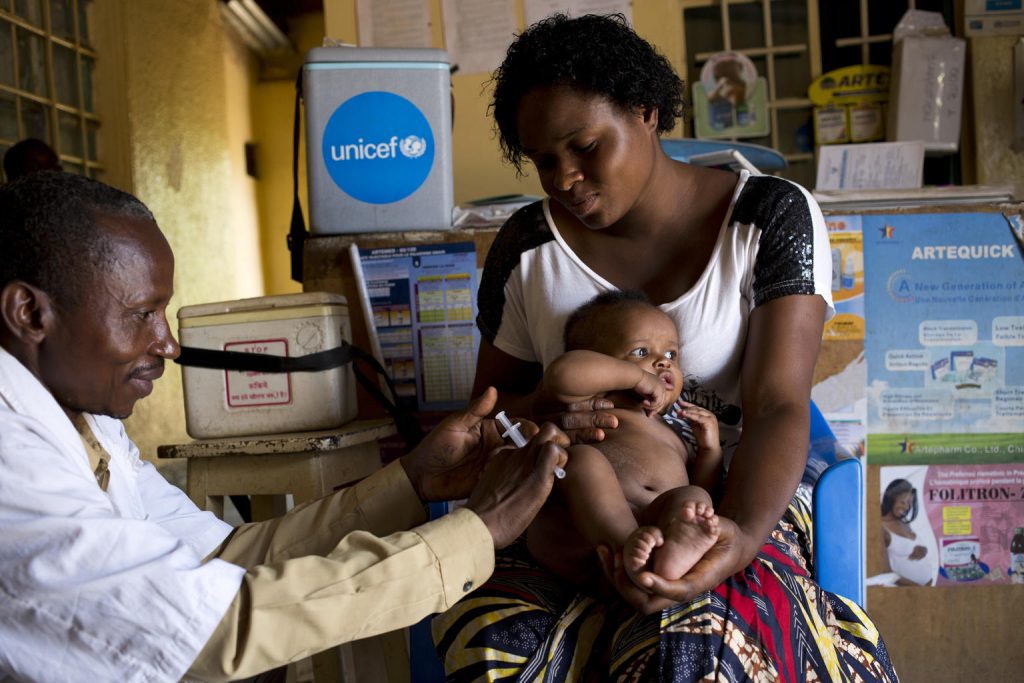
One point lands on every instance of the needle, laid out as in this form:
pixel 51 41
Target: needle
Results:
pixel 512 432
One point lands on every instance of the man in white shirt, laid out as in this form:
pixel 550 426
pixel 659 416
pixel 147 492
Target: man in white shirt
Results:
pixel 109 573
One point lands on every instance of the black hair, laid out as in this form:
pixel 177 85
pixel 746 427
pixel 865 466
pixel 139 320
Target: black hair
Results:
pixel 50 235
pixel 579 328
pixel 594 54
pixel 28 156
pixel 898 487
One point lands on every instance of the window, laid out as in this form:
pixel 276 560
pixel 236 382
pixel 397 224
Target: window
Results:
pixel 792 42
pixel 46 79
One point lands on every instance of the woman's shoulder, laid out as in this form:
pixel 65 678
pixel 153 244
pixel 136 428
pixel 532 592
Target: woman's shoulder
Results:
pixel 764 199
pixel 524 229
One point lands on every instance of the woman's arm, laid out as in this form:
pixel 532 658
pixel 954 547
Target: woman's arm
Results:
pixel 516 380
pixel 778 365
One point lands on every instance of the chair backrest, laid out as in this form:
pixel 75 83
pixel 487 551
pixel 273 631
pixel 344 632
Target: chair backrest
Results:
pixel 838 510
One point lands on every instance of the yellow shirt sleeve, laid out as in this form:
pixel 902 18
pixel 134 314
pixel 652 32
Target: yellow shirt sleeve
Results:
pixel 342 578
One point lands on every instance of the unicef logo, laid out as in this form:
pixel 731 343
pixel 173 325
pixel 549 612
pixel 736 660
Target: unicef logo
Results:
pixel 378 147
pixel 413 147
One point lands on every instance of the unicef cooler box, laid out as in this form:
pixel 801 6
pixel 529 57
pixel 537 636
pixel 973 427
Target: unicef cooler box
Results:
pixel 222 403
pixel 378 139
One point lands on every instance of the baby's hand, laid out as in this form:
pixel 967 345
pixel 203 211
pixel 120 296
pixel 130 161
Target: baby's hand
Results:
pixel 651 389
pixel 704 425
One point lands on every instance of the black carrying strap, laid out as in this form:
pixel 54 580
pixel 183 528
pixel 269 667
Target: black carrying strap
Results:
pixel 337 357
pixel 297 233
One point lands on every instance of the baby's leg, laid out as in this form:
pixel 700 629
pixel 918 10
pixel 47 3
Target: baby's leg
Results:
pixel 685 520
pixel 587 509
pixel 596 503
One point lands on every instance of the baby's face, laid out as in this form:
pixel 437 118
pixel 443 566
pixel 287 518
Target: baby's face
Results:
pixel 645 336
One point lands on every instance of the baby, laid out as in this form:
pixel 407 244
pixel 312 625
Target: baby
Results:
pixel 632 490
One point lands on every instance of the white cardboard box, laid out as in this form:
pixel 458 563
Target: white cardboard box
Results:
pixel 927 91
pixel 222 403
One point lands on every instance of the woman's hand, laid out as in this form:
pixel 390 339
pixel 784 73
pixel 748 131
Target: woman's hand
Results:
pixel 918 553
pixel 583 421
pixel 655 592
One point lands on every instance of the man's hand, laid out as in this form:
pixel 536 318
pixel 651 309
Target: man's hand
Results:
pixel 447 463
pixel 516 482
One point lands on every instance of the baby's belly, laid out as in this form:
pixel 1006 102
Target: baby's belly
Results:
pixel 645 468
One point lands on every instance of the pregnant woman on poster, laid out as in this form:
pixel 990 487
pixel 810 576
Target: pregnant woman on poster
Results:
pixel 906 557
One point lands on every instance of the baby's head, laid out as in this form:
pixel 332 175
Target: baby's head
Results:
pixel 626 325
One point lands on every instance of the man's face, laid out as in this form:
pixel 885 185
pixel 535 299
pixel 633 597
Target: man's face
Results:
pixel 104 354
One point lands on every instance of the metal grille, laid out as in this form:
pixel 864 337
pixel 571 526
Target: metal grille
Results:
pixel 784 39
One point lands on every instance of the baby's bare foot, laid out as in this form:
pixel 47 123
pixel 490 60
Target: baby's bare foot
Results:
pixel 687 538
pixel 636 552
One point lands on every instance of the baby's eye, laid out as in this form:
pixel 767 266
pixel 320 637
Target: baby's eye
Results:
pixel 639 352
pixel 671 355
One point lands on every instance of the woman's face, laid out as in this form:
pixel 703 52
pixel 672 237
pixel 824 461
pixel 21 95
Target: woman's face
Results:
pixel 593 157
pixel 902 504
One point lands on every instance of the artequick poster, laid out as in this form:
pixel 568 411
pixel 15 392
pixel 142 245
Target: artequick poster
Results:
pixel 944 310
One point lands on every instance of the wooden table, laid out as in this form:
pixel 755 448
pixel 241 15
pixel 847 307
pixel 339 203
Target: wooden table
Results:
pixel 307 465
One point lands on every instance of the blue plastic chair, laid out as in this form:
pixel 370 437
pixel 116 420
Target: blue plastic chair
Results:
pixel 765 158
pixel 838 512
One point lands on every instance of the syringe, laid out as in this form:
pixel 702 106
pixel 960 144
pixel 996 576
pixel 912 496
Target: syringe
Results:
pixel 512 432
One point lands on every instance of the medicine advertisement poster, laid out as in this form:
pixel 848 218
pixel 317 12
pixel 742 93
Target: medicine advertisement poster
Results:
pixel 845 238
pixel 944 307
pixel 952 525
pixel 424 308
pixel 839 375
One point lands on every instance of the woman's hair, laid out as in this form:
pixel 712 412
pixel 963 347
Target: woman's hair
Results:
pixel 898 487
pixel 593 54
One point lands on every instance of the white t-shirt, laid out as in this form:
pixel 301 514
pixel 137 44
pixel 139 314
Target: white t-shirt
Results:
pixel 773 243
pixel 97 585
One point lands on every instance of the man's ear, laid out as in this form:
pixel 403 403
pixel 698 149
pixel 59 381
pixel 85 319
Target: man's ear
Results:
pixel 27 312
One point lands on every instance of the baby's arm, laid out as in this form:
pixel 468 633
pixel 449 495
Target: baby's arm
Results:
pixel 579 375
pixel 706 469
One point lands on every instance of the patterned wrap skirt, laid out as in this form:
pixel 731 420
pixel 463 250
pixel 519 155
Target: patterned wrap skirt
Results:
pixel 770 622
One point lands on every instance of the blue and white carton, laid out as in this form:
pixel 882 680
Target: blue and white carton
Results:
pixel 378 139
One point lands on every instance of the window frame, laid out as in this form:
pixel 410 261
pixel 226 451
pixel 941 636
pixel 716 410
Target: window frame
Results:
pixel 53 107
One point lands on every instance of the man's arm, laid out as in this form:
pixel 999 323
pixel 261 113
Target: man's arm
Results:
pixel 368 585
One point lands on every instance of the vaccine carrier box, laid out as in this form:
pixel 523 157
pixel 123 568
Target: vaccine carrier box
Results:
pixel 378 139
pixel 222 403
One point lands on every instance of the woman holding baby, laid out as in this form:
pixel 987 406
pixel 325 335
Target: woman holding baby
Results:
pixel 741 264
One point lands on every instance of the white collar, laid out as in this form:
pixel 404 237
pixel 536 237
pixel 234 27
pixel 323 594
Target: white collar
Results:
pixel 25 394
